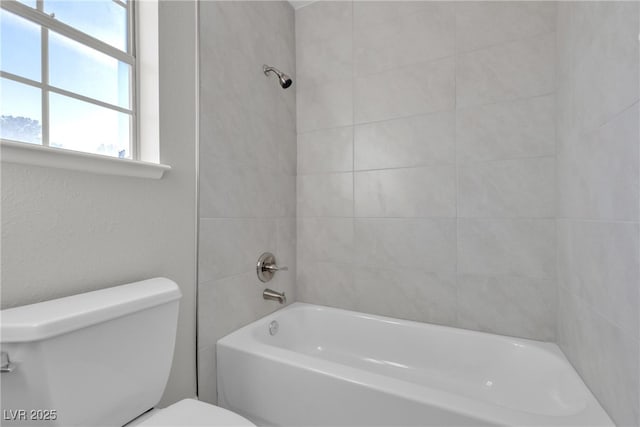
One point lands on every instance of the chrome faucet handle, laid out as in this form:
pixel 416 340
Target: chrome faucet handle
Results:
pixel 274 268
pixel 267 267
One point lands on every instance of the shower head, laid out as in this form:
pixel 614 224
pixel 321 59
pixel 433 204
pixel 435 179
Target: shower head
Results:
pixel 285 81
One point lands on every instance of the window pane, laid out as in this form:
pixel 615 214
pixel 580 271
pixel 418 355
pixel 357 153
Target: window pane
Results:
pixel 81 126
pixel 83 70
pixel 103 19
pixel 21 112
pixel 19 46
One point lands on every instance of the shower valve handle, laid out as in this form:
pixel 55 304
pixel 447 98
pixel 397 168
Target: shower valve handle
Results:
pixel 267 267
pixel 274 268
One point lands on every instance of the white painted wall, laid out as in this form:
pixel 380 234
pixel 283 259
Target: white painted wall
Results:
pixel 66 232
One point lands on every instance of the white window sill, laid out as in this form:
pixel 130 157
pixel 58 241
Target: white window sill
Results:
pixel 36 155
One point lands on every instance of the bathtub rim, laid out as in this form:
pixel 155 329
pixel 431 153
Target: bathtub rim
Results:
pixel 442 399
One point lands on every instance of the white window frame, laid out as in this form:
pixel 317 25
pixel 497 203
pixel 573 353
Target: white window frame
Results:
pixel 141 55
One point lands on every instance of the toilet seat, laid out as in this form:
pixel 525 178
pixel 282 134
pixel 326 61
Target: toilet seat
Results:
pixel 191 412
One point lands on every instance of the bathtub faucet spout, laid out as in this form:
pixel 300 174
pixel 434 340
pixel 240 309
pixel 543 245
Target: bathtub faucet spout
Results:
pixel 270 294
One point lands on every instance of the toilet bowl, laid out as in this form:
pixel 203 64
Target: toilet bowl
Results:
pixel 100 358
pixel 190 412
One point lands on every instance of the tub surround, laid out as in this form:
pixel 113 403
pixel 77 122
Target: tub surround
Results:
pixel 430 186
pixel 426 161
pixel 598 207
pixel 247 168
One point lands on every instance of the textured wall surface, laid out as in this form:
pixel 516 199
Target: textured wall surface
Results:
pixel 66 232
pixel 247 167
pixel 598 196
pixel 426 161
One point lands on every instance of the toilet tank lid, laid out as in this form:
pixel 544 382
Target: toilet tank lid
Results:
pixel 46 319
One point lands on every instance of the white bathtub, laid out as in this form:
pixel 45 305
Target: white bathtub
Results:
pixel 326 366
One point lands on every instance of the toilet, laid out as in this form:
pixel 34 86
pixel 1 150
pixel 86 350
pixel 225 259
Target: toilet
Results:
pixel 190 412
pixel 100 358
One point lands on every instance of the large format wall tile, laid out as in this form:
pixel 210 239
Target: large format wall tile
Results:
pixel 325 195
pixel 228 246
pixel 324 105
pixel 325 240
pixel 327 150
pixel 519 247
pixel 427 244
pixel 608 64
pixel 286 230
pixel 598 206
pixel 598 261
pixel 230 190
pixel 514 70
pixel 287 146
pixel 410 192
pixel 599 173
pixel 507 130
pixel 410 90
pixel 508 305
pixel 406 293
pixel 207 389
pixel 523 188
pixel 327 283
pixel 488 23
pixel 230 137
pixel 605 357
pixel 382 42
pixel 324 54
pixel 324 62
pixel 224 306
pixel 230 303
pixel 379 12
pixel 411 141
pixel 322 21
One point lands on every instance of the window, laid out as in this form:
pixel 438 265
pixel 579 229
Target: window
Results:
pixel 67 75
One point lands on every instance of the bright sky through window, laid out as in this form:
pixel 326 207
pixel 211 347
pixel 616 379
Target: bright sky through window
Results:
pixel 67 75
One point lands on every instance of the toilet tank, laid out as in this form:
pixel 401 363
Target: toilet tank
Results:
pixel 95 359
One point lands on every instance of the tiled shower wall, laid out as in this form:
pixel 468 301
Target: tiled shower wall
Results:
pixel 598 197
pixel 426 161
pixel 247 168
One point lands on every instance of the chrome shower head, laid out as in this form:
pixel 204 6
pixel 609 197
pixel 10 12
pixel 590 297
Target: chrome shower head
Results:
pixel 285 81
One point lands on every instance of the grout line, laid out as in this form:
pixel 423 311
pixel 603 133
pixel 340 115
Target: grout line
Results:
pixel 582 133
pixel 404 66
pixel 198 326
pixel 429 270
pixel 456 166
pixel 508 42
pixel 506 101
pixel 504 218
pixel 353 141
pixel 593 308
pixel 428 113
pixel 556 189
pixel 597 220
pixel 611 119
pixel 429 218
pixel 455 163
pixel 455 53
